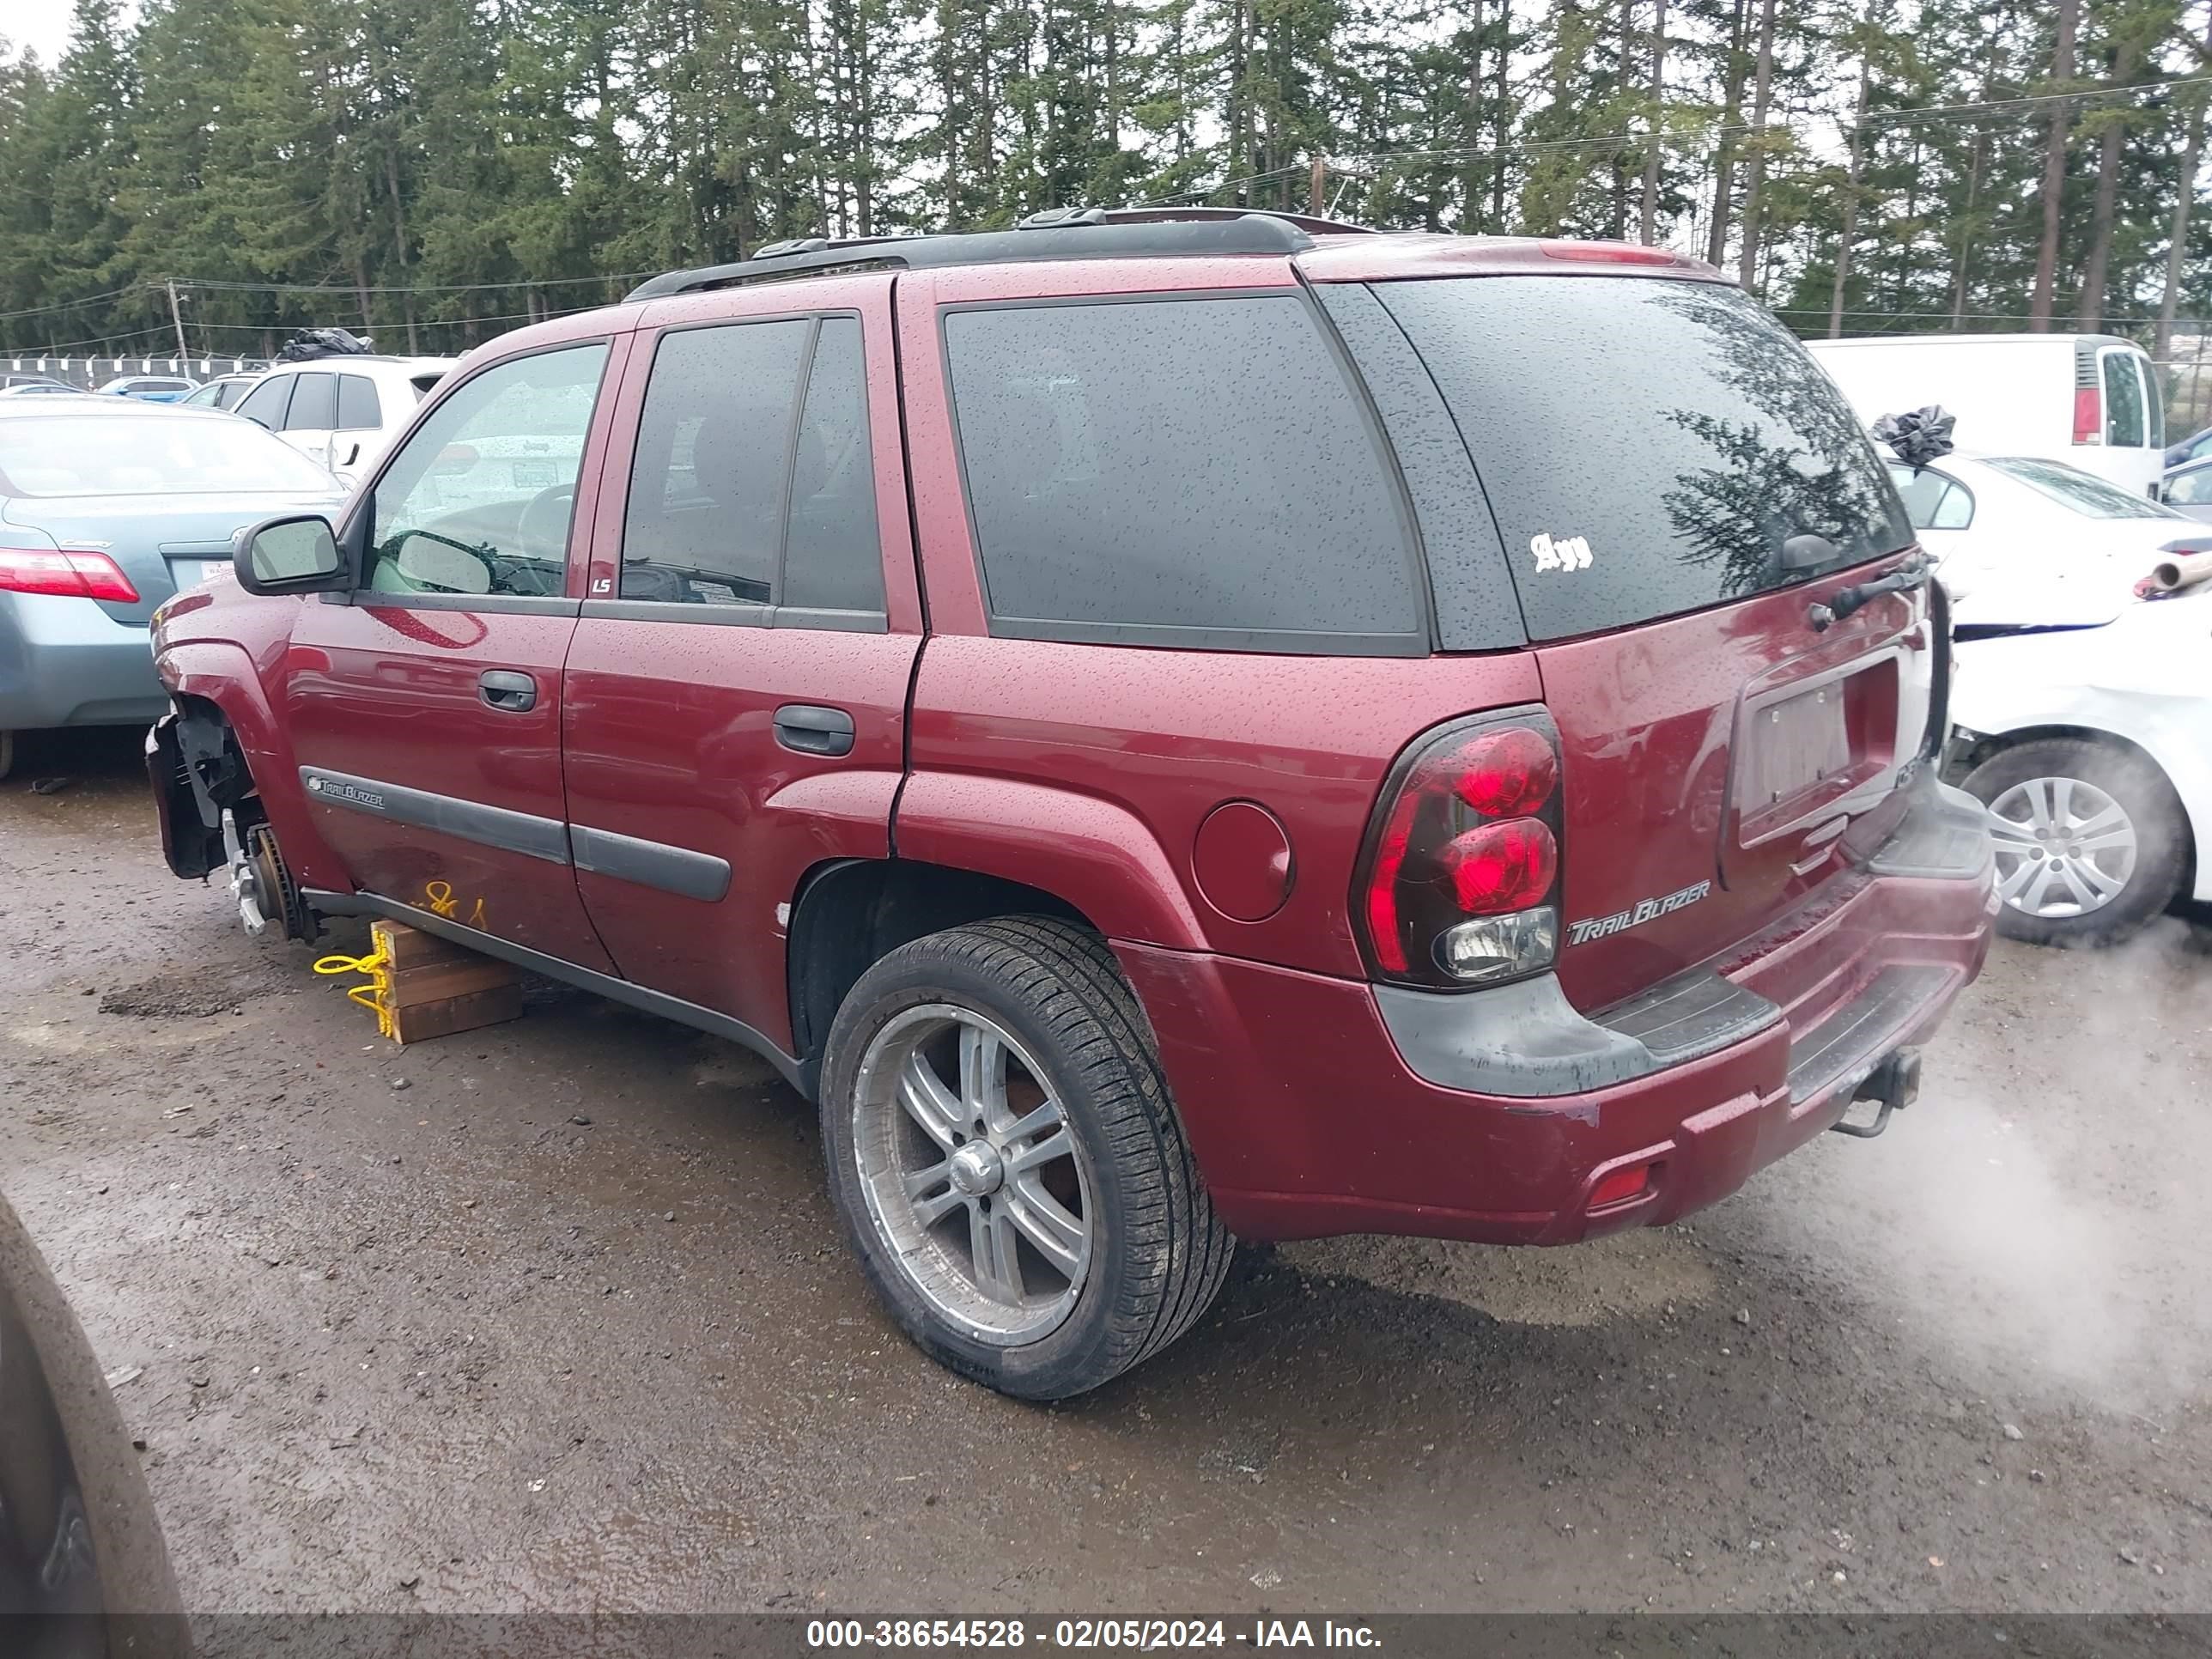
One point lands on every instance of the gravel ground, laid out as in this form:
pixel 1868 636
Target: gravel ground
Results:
pixel 554 1316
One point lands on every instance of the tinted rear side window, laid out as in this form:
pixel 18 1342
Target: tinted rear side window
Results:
pixel 1186 472
pixel 358 410
pixel 705 520
pixel 832 559
pixel 1648 446
pixel 315 404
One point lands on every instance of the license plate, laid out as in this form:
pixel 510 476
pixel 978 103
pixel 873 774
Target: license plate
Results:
pixel 210 569
pixel 1794 745
pixel 533 475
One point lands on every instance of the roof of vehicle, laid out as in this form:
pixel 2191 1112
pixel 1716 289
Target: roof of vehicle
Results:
pixel 361 360
pixel 92 403
pixel 2055 337
pixel 1328 250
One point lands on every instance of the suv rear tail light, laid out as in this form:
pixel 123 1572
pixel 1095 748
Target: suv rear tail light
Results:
pixel 67 573
pixel 2088 416
pixel 1459 886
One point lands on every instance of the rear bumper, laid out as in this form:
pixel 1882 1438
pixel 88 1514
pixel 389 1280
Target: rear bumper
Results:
pixel 1312 1112
pixel 66 662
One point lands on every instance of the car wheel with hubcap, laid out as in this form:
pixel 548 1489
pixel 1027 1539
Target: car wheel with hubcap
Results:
pixel 1006 1161
pixel 2091 839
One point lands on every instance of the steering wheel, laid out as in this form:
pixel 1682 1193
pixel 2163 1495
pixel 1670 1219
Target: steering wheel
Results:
pixel 543 530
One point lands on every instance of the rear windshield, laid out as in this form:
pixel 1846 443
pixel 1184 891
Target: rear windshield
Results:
pixel 2092 497
pixel 1648 446
pixel 146 455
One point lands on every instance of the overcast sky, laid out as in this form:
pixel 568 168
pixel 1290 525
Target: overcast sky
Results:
pixel 39 26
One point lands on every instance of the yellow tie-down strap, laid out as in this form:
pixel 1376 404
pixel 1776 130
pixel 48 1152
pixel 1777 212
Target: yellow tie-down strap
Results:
pixel 376 995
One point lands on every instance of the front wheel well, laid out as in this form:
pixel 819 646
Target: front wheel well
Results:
pixel 848 914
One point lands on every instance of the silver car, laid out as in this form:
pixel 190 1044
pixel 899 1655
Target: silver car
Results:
pixel 108 505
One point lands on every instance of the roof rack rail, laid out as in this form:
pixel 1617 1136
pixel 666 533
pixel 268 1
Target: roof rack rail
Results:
pixel 1076 233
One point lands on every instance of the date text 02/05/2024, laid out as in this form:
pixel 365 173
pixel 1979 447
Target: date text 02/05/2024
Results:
pixel 1138 1635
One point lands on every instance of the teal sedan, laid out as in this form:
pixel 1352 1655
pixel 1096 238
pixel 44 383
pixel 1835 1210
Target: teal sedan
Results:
pixel 108 506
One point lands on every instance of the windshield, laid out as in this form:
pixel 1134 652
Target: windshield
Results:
pixel 1649 445
pixel 147 455
pixel 2071 486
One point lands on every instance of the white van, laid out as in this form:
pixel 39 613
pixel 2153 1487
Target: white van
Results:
pixel 2091 400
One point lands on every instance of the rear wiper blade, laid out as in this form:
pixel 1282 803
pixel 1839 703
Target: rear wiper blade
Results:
pixel 1914 572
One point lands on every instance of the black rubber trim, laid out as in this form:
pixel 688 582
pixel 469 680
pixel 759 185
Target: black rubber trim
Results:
pixel 487 826
pixel 1945 835
pixel 744 614
pixel 1245 233
pixel 1524 1040
pixel 1690 1016
pixel 1847 1046
pixel 614 990
pixel 676 870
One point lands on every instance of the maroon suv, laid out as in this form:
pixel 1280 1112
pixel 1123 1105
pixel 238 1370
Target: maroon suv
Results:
pixel 1167 725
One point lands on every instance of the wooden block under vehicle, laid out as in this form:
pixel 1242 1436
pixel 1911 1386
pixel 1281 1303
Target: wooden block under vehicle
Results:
pixel 438 987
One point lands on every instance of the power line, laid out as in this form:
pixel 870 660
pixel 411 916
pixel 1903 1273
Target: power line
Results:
pixel 349 290
pixel 71 305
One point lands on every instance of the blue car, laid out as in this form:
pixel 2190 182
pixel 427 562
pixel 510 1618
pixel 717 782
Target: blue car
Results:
pixel 108 506
pixel 153 388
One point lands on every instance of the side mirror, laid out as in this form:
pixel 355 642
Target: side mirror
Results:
pixel 289 555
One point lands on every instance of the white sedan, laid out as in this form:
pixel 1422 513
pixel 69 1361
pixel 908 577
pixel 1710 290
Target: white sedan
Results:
pixel 2092 748
pixel 2020 541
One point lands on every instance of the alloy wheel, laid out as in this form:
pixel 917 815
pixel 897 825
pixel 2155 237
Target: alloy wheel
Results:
pixel 972 1173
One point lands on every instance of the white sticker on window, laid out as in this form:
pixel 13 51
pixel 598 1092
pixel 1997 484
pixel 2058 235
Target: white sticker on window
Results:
pixel 1566 553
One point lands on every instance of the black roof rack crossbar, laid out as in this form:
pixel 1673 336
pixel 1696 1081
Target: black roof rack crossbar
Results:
pixel 1065 234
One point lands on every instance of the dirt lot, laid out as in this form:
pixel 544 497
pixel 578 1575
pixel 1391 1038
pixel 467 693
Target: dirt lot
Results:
pixel 554 1316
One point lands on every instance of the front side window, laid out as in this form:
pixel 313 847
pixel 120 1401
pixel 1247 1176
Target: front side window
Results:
pixel 266 403
pixel 745 490
pixel 1932 501
pixel 1190 471
pixel 2124 401
pixel 2190 489
pixel 2084 493
pixel 478 499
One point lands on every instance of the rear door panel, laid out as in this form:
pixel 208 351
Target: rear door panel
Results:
pixel 672 739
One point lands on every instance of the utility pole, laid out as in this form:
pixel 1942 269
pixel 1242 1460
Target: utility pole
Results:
pixel 1317 194
pixel 177 316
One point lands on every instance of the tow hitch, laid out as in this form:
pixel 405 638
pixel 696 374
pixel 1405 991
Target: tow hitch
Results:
pixel 1892 1085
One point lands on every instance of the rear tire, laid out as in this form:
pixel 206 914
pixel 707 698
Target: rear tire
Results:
pixel 1033 1221
pixel 7 753
pixel 2092 840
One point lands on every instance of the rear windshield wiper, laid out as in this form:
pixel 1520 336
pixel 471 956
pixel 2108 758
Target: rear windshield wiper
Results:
pixel 1913 573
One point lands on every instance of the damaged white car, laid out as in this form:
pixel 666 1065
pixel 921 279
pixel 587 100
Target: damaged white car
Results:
pixel 2091 744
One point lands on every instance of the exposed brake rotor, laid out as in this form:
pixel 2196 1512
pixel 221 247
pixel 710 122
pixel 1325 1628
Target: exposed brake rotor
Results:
pixel 280 894
pixel 260 883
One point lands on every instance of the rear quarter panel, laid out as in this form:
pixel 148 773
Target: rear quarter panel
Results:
pixel 1087 769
